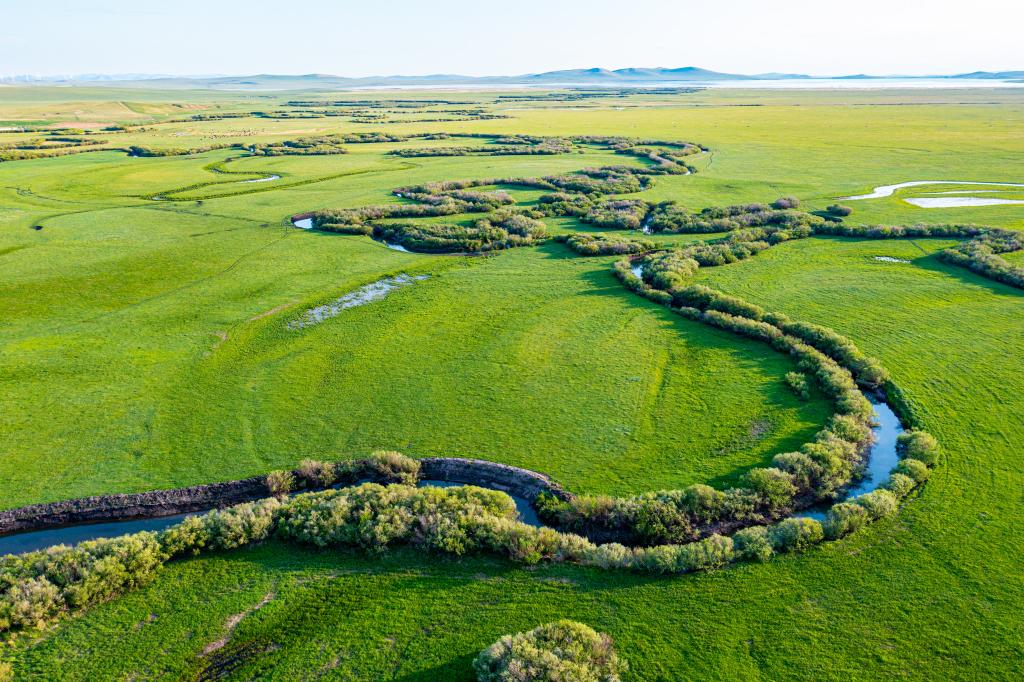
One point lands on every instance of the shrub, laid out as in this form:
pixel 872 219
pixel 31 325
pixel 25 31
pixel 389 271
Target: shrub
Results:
pixel 394 466
pixel 660 522
pixel 563 650
pixel 773 487
pixel 783 203
pixel 6 672
pixel 610 555
pixel 913 468
pixel 30 603
pixel 844 518
pixel 839 210
pixel 316 474
pixel 280 483
pixel 919 445
pixel 806 472
pixel 752 544
pixel 702 502
pixel 711 552
pixel 900 485
pixel 795 534
pixel 797 382
pixel 878 503
pixel 240 525
pixel 188 537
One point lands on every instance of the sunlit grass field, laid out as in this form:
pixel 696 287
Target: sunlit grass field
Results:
pixel 143 344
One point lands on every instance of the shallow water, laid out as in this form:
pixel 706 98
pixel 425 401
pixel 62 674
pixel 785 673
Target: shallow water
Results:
pixel 72 535
pixel 527 514
pixel 638 271
pixel 889 190
pixel 890 259
pixel 304 224
pixel 881 459
pixel 361 296
pixel 266 179
pixel 396 247
pixel 957 202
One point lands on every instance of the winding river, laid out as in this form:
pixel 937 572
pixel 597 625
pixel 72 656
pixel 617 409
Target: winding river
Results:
pixel 882 457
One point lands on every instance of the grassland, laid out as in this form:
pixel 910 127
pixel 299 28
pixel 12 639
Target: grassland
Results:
pixel 144 346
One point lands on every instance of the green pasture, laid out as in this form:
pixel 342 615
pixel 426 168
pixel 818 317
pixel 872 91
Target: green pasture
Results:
pixel 144 344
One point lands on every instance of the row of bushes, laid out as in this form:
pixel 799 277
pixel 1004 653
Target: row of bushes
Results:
pixel 38 587
pixel 602 245
pixel 303 146
pixel 512 147
pixel 136 150
pixel 981 255
pixel 572 193
pixel 781 222
pixel 503 229
pixel 670 217
pixel 818 471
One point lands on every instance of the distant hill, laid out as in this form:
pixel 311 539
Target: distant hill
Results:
pixel 596 77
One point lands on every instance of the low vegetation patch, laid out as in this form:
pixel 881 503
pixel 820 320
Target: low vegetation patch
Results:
pixel 563 650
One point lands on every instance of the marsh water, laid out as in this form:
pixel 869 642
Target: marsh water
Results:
pixel 947 201
pixel 303 224
pixel 956 202
pixel 373 291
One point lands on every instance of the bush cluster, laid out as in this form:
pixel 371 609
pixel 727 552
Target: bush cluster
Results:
pixel 563 650
pixel 322 145
pixel 503 229
pixel 601 245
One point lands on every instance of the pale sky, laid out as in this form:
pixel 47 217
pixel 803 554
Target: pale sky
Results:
pixel 476 37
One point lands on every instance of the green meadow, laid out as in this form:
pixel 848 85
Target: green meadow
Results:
pixel 145 344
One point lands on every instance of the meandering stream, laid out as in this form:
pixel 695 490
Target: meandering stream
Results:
pixel 882 457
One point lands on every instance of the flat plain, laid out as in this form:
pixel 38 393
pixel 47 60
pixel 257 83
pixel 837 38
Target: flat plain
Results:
pixel 144 344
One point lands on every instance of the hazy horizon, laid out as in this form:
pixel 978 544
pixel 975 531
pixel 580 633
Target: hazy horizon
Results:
pixel 459 37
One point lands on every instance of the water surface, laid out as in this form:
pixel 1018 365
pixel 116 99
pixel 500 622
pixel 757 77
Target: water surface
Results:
pixel 72 535
pixel 881 460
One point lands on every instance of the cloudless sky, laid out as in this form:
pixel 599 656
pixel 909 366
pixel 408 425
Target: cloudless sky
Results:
pixel 477 37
